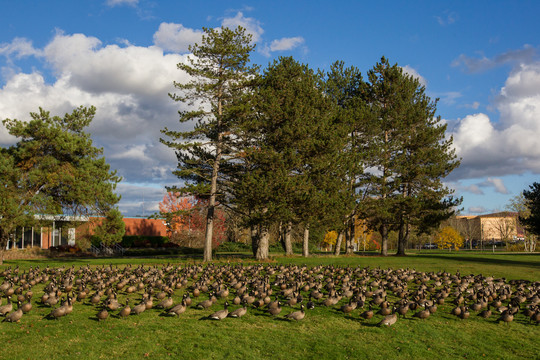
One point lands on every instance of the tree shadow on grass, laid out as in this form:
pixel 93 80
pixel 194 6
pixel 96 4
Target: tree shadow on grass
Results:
pixel 492 259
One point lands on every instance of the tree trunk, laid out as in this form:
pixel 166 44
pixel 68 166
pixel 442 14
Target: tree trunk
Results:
pixel 338 243
pixel 254 240
pixel 305 247
pixel 402 239
pixel 288 242
pixel 384 239
pixel 350 238
pixel 4 238
pixel 211 207
pixel 281 236
pixel 262 248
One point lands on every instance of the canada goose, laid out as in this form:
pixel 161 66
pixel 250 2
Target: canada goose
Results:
pixel 68 306
pixel 113 304
pixel 368 314
pixel 126 310
pixel 103 314
pixel 403 309
pixel 165 303
pixel 389 320
pixel 138 309
pixel 220 314
pixel 206 303
pixel 348 308
pixel 464 313
pixel 58 312
pixel 310 304
pixel 423 314
pixel 275 310
pixel 485 313
pixel 14 316
pixel 239 312
pixel 178 309
pixel 506 316
pixel 6 308
pixel 26 307
pixel 297 315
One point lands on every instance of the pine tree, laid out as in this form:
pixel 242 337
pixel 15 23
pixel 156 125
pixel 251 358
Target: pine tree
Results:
pixel 294 154
pixel 410 156
pixel 53 169
pixel 221 78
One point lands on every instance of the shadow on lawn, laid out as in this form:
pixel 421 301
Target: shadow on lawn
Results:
pixel 487 260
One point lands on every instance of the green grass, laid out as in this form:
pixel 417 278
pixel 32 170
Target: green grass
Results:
pixel 324 333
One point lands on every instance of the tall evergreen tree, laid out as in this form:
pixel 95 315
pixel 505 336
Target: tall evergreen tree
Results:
pixel 221 76
pixel 295 174
pixel 53 169
pixel 410 157
pixel 344 86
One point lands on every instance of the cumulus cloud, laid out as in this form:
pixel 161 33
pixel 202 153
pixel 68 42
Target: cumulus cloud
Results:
pixel 409 70
pixel 176 37
pixel 127 84
pixel 510 145
pixel 282 44
pixel 252 26
pixel 19 48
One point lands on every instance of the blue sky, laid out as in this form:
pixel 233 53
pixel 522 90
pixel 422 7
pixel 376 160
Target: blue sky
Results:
pixel 481 59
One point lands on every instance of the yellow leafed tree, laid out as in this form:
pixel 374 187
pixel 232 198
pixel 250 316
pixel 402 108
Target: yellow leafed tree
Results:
pixel 330 238
pixel 448 238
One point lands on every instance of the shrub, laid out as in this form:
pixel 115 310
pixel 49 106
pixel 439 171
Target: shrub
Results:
pixel 230 246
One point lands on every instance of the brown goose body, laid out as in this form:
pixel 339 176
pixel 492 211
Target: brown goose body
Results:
pixel 297 315
pixel 178 309
pixel 6 308
pixel 389 320
pixel 126 310
pixel 103 314
pixel 15 316
pixel 220 314
pixel 239 312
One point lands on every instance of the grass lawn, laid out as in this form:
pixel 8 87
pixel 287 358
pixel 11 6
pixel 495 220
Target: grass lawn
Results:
pixel 325 332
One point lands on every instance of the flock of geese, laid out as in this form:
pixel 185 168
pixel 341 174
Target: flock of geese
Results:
pixel 364 293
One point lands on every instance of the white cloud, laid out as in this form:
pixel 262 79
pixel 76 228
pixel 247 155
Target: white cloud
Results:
pixel 129 87
pixel 497 184
pixel 512 144
pixel 409 70
pixel 251 25
pixel 286 43
pixel 19 48
pixel 176 37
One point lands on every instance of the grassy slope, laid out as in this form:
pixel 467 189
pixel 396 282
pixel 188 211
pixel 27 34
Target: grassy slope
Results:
pixel 324 333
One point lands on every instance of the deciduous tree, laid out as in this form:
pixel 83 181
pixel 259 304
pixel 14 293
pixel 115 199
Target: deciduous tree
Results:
pixel 449 237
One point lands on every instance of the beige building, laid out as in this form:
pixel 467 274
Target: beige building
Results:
pixel 490 229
